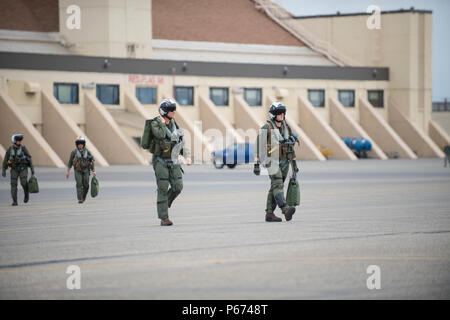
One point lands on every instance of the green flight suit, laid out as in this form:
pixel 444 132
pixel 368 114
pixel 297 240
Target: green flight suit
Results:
pixel 165 164
pixel 19 159
pixel 83 163
pixel 277 157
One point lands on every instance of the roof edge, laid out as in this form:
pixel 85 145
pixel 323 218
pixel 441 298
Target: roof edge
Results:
pixel 338 14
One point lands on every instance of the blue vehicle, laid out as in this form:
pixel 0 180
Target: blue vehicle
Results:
pixel 237 153
pixel 359 146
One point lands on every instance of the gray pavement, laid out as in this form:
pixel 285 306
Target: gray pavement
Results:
pixel 394 214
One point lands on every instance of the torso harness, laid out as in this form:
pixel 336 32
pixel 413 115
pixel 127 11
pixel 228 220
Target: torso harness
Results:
pixel 18 158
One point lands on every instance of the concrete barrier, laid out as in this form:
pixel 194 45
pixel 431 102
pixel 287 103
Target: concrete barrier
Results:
pixel 346 126
pixel 438 135
pixel 211 120
pixel 60 130
pixel 13 120
pixel 116 147
pixel 381 132
pixel 414 137
pixel 321 132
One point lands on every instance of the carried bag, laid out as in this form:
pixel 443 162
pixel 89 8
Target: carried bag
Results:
pixel 94 187
pixel 293 191
pixel 148 141
pixel 33 186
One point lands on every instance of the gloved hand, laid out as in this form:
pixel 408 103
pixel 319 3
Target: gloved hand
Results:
pixel 257 169
pixel 294 163
pixel 3 173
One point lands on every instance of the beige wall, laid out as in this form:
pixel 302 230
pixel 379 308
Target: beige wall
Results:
pixel 289 91
pixel 438 135
pixel 13 120
pixel 56 121
pixel 346 126
pixel 109 28
pixel 403 44
pixel 382 133
pixel 417 140
pixel 321 133
pixel 442 119
pixel 112 142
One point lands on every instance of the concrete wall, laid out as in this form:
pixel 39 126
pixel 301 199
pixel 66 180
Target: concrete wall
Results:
pixel 120 28
pixel 438 135
pixel 107 136
pixel 382 133
pixel 442 119
pixel 55 121
pixel 416 139
pixel 214 126
pixel 237 116
pixel 13 120
pixel 321 133
pixel 346 126
pixel 403 43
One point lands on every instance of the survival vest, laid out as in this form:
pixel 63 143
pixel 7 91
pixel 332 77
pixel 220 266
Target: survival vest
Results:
pixel 17 157
pixel 280 137
pixel 159 147
pixel 81 160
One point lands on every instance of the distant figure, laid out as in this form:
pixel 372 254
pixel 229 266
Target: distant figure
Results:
pixel 83 162
pixel 18 159
pixel 447 155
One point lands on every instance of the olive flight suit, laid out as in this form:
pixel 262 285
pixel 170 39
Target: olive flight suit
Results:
pixel 447 155
pixel 168 170
pixel 18 159
pixel 276 158
pixel 83 163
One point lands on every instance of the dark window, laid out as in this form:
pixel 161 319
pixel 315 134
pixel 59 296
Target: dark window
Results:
pixel 108 93
pixel 317 97
pixel 66 92
pixel 219 96
pixel 184 95
pixel 146 95
pixel 253 96
pixel 375 97
pixel 347 98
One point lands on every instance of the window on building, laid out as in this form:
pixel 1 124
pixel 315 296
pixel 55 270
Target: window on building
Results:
pixel 219 96
pixel 184 95
pixel 375 97
pixel 66 92
pixel 146 95
pixel 108 93
pixel 347 98
pixel 317 97
pixel 253 96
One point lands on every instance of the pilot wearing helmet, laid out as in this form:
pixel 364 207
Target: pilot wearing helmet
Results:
pixel 18 159
pixel 168 145
pixel 83 162
pixel 275 153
